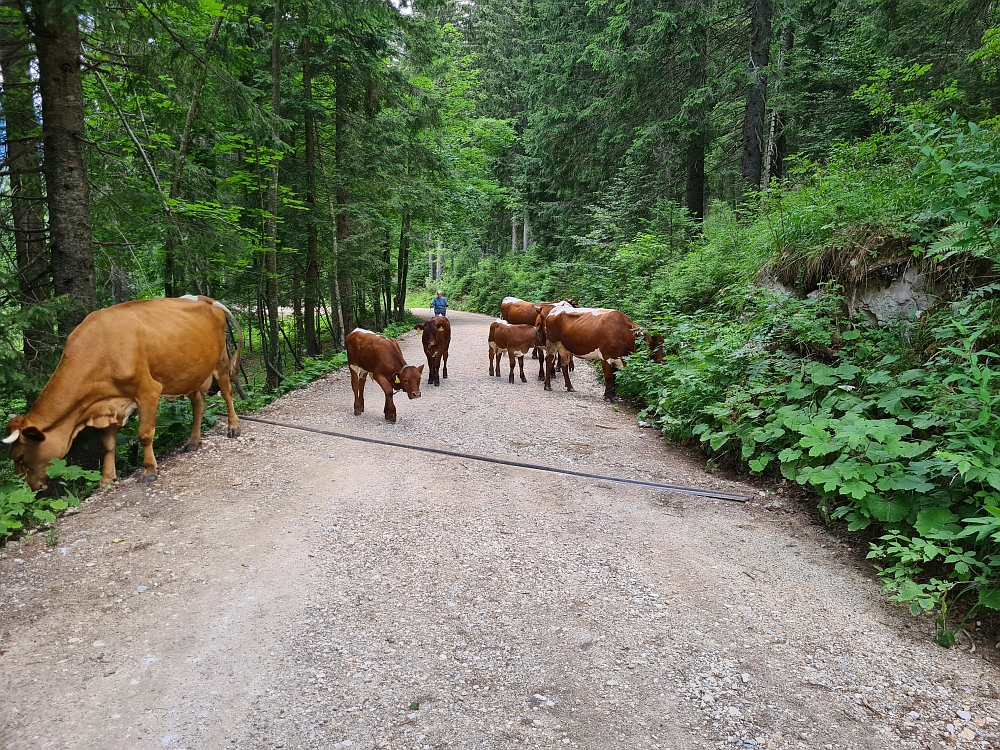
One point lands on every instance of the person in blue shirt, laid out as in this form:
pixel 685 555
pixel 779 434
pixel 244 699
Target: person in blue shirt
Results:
pixel 439 305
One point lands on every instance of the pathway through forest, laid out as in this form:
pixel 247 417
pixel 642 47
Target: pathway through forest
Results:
pixel 290 590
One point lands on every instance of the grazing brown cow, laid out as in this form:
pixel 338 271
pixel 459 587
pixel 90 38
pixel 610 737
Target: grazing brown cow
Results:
pixel 371 354
pixel 591 333
pixel 121 359
pixel 436 339
pixel 516 340
pixel 519 312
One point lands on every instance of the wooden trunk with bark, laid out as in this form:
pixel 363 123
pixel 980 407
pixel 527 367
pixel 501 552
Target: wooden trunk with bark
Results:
pixel 71 248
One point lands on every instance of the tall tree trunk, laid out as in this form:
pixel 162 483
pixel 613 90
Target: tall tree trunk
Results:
pixel 402 263
pixel 71 246
pixel 385 298
pixel 752 156
pixel 694 184
pixel 312 243
pixel 527 231
pixel 170 253
pixel 344 282
pixel 513 231
pixel 24 162
pixel 335 298
pixel 273 357
pixel 440 261
pixel 775 156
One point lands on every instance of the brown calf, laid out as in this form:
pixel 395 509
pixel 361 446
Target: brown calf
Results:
pixel 516 340
pixel 436 339
pixel 371 354
pixel 122 359
pixel 591 333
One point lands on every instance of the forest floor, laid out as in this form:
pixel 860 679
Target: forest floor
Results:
pixel 290 590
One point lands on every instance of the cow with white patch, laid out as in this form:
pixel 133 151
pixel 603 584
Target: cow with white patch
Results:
pixel 122 359
pixel 371 354
pixel 591 333
pixel 520 312
pixel 436 339
pixel 516 340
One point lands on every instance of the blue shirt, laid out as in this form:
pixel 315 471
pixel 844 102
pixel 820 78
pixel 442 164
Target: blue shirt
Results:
pixel 440 305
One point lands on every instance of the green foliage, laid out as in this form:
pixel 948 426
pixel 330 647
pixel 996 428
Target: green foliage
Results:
pixel 21 509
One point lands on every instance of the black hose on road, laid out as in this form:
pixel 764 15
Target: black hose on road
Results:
pixel 519 464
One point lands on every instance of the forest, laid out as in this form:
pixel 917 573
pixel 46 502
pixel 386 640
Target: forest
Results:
pixel 735 174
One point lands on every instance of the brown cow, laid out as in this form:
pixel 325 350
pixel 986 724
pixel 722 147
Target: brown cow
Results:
pixel 516 340
pixel 121 359
pixel 371 354
pixel 519 312
pixel 436 339
pixel 591 333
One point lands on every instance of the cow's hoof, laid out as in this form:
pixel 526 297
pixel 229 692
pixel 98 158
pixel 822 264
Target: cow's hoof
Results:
pixel 391 419
pixel 445 376
pixel 570 389
pixel 437 382
pixel 146 479
pixel 524 379
pixel 548 387
pixel 357 412
pixel 191 447
pixel 234 432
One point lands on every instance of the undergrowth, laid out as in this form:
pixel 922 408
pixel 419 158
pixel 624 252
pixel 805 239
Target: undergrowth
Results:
pixel 894 428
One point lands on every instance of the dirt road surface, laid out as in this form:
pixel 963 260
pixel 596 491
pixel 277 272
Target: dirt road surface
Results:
pixel 289 590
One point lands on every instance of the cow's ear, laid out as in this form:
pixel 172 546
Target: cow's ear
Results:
pixel 418 328
pixel 33 433
pixel 420 370
pixel 395 379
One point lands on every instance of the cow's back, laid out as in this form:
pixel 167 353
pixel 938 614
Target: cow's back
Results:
pixel 583 331
pixel 518 312
pixel 373 353
pixel 177 342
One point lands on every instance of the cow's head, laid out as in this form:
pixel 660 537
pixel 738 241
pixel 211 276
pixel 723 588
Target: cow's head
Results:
pixel 30 452
pixel 408 379
pixel 540 330
pixel 431 329
pixel 655 343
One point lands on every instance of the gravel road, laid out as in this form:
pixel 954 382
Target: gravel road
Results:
pixel 290 590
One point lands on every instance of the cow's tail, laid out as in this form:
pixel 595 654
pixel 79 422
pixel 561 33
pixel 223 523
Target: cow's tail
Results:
pixel 234 361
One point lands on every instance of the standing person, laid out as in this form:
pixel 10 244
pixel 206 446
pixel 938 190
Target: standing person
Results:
pixel 439 305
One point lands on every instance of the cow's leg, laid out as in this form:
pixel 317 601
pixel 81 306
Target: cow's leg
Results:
pixel 565 369
pixel 513 361
pixel 499 356
pixel 541 363
pixel 198 408
pixel 444 365
pixel 358 386
pixel 390 407
pixel 226 389
pixel 492 354
pixel 109 440
pixel 609 379
pixel 520 361
pixel 436 369
pixel 549 363
pixel 148 400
